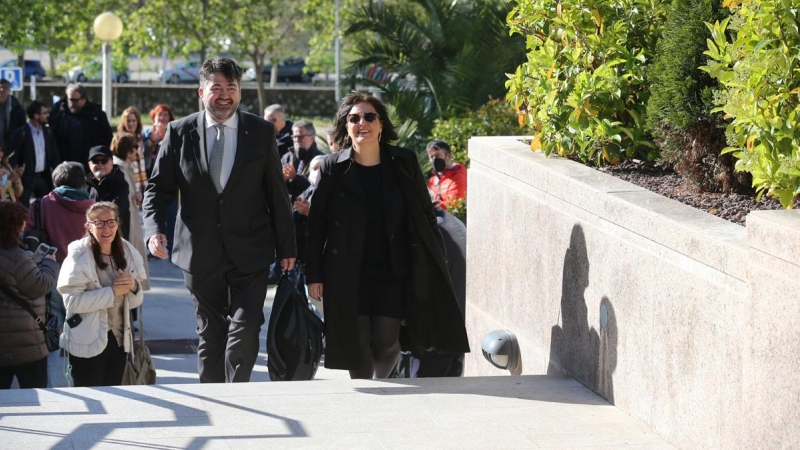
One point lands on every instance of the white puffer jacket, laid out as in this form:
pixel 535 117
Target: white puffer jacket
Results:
pixel 80 286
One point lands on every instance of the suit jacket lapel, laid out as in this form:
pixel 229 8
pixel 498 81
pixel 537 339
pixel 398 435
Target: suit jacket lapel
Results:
pixel 243 145
pixel 197 144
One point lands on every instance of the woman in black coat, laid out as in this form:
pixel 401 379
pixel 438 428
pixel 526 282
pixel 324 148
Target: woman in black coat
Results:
pixel 375 254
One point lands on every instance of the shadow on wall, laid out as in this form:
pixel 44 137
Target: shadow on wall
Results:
pixel 576 348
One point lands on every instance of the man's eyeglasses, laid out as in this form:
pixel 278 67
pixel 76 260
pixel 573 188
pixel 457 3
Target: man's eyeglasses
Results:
pixel 99 160
pixel 75 100
pixel 300 136
pixel 110 223
pixel 356 118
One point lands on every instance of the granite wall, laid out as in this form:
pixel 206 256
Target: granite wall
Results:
pixel 684 320
pixel 305 101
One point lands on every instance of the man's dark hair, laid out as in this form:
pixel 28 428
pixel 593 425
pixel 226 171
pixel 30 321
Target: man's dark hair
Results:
pixel 69 173
pixel 77 87
pixel 219 64
pixel 4 81
pixel 438 144
pixel 34 108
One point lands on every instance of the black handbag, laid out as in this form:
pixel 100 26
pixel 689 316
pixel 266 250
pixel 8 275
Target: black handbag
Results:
pixel 294 333
pixel 51 327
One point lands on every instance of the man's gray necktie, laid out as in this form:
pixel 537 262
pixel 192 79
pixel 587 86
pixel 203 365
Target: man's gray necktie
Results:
pixel 215 161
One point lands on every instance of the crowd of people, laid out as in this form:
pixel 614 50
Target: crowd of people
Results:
pixel 361 225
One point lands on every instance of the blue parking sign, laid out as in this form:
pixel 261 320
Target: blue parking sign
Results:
pixel 14 77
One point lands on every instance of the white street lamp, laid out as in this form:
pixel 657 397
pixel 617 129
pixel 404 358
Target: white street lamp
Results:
pixel 107 27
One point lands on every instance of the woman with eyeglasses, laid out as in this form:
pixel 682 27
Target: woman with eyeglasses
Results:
pixel 375 254
pixel 101 282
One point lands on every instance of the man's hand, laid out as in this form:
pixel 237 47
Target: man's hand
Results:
pixel 138 199
pixel 158 246
pixel 287 264
pixel 289 172
pixel 315 291
pixel 302 206
pixel 17 173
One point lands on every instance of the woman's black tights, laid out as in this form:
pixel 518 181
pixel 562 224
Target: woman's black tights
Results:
pixel 378 346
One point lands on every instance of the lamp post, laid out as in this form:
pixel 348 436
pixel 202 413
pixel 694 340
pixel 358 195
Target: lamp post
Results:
pixel 107 27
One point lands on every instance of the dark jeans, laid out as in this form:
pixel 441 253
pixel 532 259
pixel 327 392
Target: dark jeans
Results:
pixel 29 376
pixel 229 305
pixel 104 369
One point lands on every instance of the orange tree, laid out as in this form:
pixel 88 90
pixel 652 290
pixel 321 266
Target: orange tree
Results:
pixel 583 88
pixel 755 56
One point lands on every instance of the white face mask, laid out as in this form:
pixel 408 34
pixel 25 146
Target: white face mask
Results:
pixel 313 177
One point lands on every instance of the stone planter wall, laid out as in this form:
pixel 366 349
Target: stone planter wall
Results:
pixel 305 101
pixel 684 320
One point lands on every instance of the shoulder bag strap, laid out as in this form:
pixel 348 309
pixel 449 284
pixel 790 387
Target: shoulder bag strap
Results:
pixel 37 214
pixel 26 306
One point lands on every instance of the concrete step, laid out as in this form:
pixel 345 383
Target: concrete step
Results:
pixel 529 412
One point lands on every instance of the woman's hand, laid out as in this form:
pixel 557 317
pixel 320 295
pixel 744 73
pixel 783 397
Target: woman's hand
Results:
pixel 315 291
pixel 124 283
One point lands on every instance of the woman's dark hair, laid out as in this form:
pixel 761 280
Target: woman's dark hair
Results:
pixel 123 120
pixel 4 159
pixel 157 110
pixel 340 135
pixel 71 174
pixel 12 216
pixel 123 144
pixel 117 246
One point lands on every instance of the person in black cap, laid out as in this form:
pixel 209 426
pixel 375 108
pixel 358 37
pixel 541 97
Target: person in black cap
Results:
pixel 106 183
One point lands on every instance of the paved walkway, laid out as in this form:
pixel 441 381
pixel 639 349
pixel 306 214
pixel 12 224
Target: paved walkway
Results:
pixel 331 412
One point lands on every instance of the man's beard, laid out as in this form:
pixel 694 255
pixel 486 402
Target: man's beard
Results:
pixel 217 114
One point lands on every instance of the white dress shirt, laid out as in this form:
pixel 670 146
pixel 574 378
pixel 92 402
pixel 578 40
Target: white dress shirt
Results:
pixel 38 145
pixel 231 126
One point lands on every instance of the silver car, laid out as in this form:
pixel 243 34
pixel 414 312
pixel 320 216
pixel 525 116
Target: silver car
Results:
pixel 185 72
pixel 93 72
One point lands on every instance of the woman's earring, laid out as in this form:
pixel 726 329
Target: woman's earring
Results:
pixel 379 136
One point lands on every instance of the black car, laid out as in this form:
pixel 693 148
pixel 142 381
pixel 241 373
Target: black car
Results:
pixel 32 68
pixel 289 71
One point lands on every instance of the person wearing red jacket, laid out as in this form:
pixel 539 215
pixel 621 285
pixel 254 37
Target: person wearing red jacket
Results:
pixel 448 180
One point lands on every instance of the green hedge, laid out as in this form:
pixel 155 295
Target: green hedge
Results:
pixel 495 118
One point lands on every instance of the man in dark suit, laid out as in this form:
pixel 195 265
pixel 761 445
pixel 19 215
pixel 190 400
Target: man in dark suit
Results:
pixel 78 125
pixel 234 218
pixel 32 146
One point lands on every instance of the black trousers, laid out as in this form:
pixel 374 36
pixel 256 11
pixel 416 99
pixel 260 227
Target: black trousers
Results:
pixel 229 305
pixel 105 369
pixel 41 185
pixel 29 376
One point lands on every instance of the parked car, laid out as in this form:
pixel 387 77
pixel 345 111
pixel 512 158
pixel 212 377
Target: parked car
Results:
pixel 185 72
pixel 32 68
pixel 289 70
pixel 93 72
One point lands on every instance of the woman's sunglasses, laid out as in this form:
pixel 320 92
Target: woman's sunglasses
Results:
pixel 356 118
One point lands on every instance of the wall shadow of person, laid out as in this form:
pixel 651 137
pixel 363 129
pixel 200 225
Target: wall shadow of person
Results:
pixel 576 348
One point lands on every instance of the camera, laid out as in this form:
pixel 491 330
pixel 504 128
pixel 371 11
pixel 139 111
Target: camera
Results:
pixel 74 321
pixel 42 251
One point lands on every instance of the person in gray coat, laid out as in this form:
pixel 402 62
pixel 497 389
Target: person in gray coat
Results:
pixel 23 352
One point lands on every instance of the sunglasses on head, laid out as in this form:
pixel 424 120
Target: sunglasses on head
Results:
pixel 100 160
pixel 356 118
